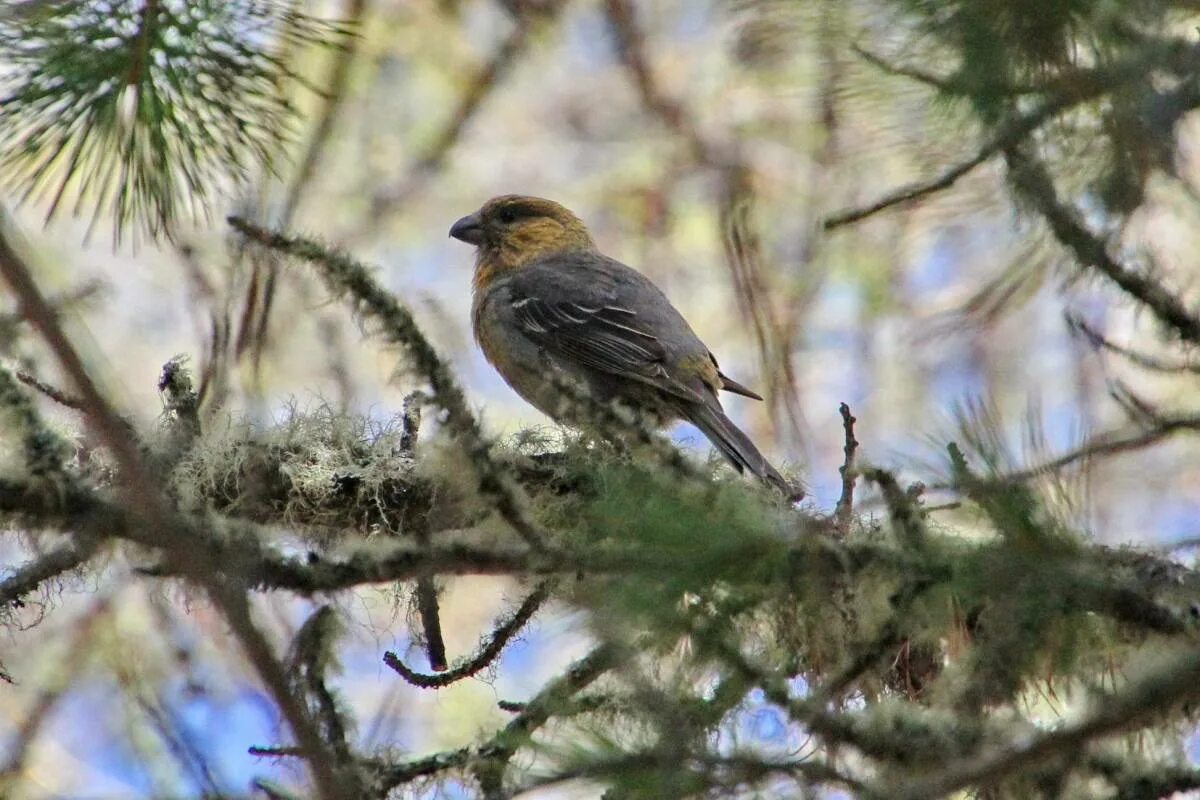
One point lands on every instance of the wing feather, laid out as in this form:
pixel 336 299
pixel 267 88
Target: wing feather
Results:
pixel 600 314
pixel 603 338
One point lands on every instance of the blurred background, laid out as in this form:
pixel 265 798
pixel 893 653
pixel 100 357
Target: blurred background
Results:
pixel 703 143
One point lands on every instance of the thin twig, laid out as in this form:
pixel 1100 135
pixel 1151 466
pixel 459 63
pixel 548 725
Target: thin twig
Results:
pixel 57 395
pixel 906 519
pixel 809 711
pixel 189 755
pixel 33 574
pixel 312 652
pixel 1139 410
pixel 920 189
pixel 479 88
pixel 940 82
pixel 490 759
pixel 273 751
pixel 1105 444
pixel 57 678
pixel 495 755
pixel 390 774
pixel 844 511
pixel 61 303
pixel 140 488
pixel 1079 87
pixel 334 96
pixel 1097 340
pixel 499 639
pixel 943 83
pixel 426 590
pixel 631 44
pixel 756 301
pixel 236 609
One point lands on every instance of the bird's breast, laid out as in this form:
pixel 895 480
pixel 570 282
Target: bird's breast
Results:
pixel 522 363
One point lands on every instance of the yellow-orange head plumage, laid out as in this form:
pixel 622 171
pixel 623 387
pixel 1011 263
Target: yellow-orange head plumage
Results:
pixel 514 230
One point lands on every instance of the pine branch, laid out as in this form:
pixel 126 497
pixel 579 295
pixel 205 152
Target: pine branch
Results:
pixel 1032 182
pixel 1066 91
pixel 313 657
pixel 1144 360
pixel 141 109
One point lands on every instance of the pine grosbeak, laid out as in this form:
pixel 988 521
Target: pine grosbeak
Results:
pixel 546 301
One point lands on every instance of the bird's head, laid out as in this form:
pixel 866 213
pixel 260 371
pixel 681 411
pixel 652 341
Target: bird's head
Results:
pixel 513 230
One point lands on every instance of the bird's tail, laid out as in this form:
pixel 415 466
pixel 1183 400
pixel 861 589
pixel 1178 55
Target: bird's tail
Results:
pixel 735 445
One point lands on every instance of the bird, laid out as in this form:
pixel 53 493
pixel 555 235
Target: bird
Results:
pixel 548 307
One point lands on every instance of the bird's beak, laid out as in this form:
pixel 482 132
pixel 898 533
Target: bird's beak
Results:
pixel 469 229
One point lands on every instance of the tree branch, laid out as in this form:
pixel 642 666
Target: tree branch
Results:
pixel 1098 341
pixel 479 88
pixel 490 759
pixel 1066 93
pixel 1033 184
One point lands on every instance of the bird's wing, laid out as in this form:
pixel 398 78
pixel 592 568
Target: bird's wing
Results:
pixel 590 316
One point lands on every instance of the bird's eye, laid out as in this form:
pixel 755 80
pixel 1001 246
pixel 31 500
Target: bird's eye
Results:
pixel 507 216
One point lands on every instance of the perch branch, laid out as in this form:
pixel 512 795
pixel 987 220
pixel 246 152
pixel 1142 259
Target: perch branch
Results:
pixel 345 276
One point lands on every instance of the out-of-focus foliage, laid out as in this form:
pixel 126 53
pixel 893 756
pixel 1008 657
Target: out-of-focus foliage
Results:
pixel 1131 69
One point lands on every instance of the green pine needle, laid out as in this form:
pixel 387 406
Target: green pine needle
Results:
pixel 141 110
